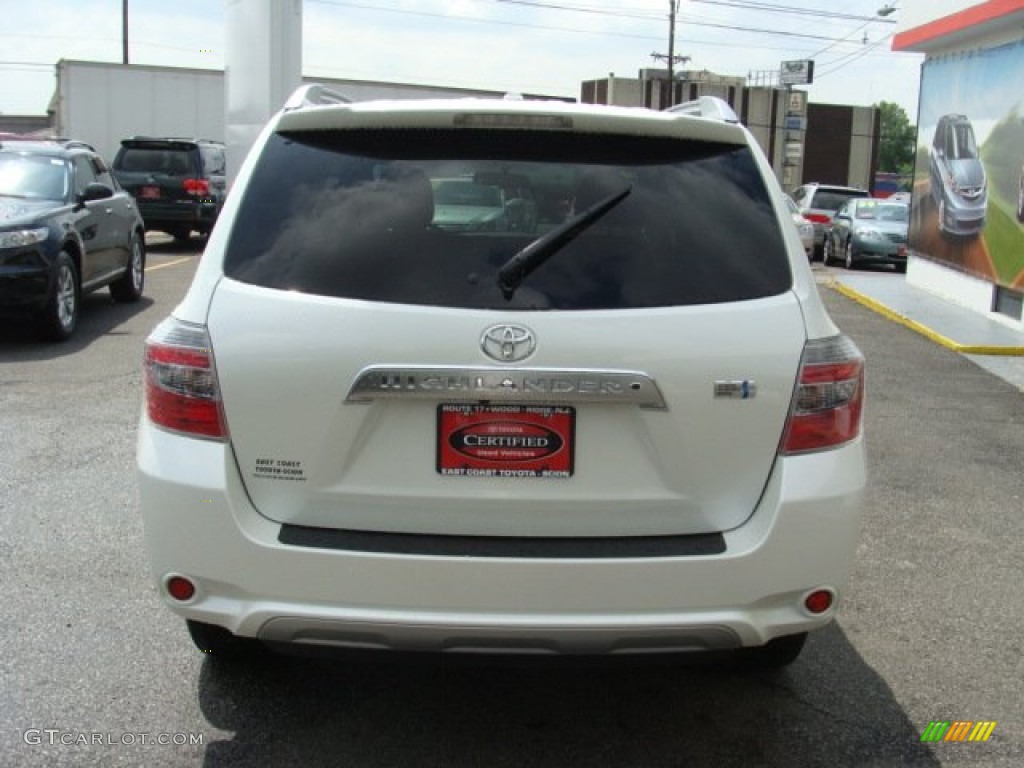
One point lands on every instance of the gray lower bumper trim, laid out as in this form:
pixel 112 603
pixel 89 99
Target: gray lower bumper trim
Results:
pixel 526 547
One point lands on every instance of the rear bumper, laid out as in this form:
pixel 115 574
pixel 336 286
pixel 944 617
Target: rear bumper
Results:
pixel 880 251
pixel 183 212
pixel 198 523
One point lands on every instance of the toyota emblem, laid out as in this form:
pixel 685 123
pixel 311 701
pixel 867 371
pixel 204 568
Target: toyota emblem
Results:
pixel 508 343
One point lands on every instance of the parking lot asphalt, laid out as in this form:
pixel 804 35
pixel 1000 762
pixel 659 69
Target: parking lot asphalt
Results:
pixel 929 629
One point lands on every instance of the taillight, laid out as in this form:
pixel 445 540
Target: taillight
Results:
pixel 199 187
pixel 829 397
pixel 820 218
pixel 182 393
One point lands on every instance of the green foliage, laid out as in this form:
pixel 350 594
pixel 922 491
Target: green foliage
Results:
pixel 1004 239
pixel 1003 156
pixel 897 139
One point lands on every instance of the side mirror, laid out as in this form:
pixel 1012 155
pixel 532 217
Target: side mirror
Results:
pixel 95 191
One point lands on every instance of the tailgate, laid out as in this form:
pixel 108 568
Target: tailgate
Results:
pixel 343 414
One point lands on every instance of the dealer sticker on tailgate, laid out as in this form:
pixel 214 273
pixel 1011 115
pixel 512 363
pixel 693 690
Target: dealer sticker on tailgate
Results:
pixel 505 440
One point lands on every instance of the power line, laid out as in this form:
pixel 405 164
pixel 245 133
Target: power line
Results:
pixel 623 13
pixel 25 64
pixel 791 9
pixel 852 57
pixel 690 21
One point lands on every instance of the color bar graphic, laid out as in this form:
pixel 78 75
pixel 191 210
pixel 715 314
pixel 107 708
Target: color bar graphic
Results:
pixel 958 730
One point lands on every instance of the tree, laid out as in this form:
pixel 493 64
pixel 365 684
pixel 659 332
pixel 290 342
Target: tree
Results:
pixel 897 139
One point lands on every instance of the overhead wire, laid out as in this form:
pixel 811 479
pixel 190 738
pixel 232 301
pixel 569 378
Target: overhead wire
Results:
pixel 691 21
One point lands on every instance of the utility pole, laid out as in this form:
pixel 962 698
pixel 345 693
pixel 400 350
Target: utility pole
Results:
pixel 124 31
pixel 671 58
pixel 673 9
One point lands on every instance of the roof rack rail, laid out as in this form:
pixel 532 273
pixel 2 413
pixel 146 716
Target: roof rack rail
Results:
pixel 62 142
pixel 313 95
pixel 706 106
pixel 75 144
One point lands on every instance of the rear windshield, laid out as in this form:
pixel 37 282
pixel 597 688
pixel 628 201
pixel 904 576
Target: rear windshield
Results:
pixel 171 162
pixel 833 199
pixel 431 217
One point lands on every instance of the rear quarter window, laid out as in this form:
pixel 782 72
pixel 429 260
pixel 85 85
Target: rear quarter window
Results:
pixel 373 215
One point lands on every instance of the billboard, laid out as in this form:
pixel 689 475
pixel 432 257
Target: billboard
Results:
pixel 800 72
pixel 968 196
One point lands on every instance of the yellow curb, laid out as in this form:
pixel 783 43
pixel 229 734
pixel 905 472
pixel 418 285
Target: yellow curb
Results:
pixel 938 338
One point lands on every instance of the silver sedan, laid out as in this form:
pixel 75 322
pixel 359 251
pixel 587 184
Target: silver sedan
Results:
pixel 869 231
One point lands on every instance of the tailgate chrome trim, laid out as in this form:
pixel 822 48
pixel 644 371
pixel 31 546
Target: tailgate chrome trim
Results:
pixel 551 386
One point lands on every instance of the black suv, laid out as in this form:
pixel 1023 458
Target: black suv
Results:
pixel 66 228
pixel 179 184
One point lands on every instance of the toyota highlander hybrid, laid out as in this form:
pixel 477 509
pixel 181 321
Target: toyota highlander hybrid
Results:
pixel 633 429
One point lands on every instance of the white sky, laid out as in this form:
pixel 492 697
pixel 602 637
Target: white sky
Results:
pixel 534 46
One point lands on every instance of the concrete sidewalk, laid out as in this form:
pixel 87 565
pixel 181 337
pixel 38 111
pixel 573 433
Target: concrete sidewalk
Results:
pixel 990 343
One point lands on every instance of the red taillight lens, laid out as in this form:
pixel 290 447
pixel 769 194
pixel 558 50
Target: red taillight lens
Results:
pixel 820 218
pixel 199 187
pixel 182 393
pixel 829 397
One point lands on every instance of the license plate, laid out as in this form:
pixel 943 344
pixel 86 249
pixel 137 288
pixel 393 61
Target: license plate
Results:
pixel 149 193
pixel 505 440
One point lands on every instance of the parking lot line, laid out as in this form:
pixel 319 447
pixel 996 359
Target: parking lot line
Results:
pixel 168 264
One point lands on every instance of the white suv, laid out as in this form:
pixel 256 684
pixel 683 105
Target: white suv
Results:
pixel 633 430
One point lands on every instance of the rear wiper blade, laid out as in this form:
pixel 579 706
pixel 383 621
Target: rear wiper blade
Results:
pixel 516 269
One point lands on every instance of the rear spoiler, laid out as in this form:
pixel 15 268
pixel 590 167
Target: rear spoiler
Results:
pixel 709 107
pixel 158 142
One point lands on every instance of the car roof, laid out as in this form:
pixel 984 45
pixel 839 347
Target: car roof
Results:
pixel 53 147
pixel 876 201
pixel 835 187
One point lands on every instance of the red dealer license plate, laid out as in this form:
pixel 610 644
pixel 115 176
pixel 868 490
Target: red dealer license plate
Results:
pixel 149 193
pixel 505 440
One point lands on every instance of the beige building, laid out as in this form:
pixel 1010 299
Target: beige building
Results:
pixel 804 142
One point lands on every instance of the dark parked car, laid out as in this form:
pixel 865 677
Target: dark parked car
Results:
pixel 869 231
pixel 180 184
pixel 66 228
pixel 959 184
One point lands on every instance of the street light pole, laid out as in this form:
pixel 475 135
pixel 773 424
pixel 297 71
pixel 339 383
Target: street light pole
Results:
pixel 124 31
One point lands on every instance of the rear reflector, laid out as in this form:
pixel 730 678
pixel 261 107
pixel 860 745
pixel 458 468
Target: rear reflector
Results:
pixel 829 397
pixel 180 588
pixel 818 601
pixel 182 393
